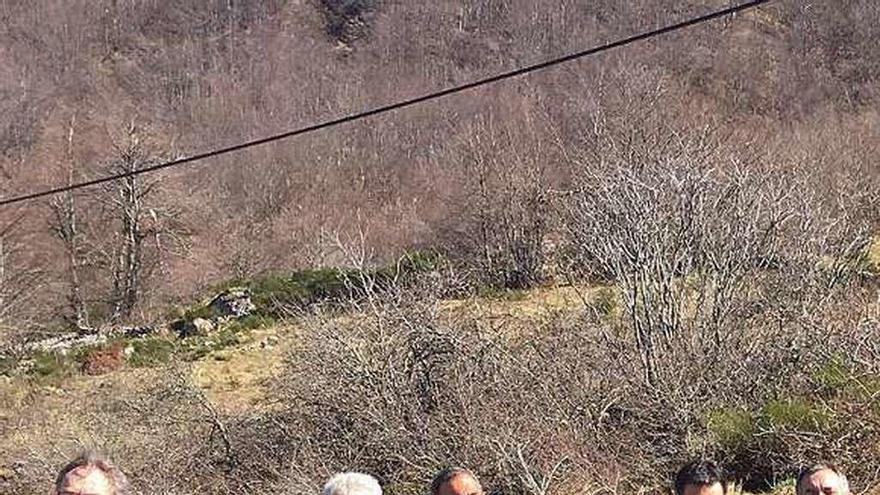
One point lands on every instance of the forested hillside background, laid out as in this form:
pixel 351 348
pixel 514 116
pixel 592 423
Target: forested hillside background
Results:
pixel 86 84
pixel 571 282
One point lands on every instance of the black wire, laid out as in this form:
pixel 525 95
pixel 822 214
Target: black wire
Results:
pixel 394 106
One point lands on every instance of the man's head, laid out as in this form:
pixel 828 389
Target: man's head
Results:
pixel 456 481
pixel 91 474
pixel 701 478
pixel 352 484
pixel 822 479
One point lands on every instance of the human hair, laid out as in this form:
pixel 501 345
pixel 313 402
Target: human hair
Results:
pixel 815 468
pixel 447 474
pixel 700 473
pixel 352 484
pixel 93 460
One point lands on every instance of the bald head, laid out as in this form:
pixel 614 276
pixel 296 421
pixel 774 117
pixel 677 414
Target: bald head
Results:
pixel 86 480
pixel 91 474
pixel 456 481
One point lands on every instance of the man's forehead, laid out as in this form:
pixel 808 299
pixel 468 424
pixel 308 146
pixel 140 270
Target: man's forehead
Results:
pixel 81 471
pixel 825 477
pixel 700 489
pixel 464 476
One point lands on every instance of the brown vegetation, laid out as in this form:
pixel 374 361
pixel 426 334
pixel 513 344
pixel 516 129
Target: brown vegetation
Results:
pixel 472 170
pixel 104 360
pixel 711 198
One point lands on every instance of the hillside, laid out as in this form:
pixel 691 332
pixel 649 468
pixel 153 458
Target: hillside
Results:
pixel 571 282
pixel 84 82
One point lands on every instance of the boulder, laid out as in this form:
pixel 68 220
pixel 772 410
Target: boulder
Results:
pixel 234 302
pixel 196 326
pixel 203 326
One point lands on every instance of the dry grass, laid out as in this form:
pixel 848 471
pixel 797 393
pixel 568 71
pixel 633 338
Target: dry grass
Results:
pixel 234 379
pixel 55 418
pixel 874 253
pixel 538 303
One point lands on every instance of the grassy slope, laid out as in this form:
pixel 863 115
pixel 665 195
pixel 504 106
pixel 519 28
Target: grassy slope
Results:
pixel 234 378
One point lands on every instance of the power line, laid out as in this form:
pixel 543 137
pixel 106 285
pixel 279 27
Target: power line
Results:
pixel 394 106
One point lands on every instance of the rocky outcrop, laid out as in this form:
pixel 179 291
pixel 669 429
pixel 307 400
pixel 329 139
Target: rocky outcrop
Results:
pixel 72 340
pixel 231 304
pixel 234 302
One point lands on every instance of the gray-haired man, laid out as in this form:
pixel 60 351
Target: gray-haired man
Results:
pixel 352 484
pixel 822 479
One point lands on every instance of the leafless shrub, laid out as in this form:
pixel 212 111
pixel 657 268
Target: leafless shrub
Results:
pixel 401 390
pixel 699 235
pixel 499 231
pixel 399 398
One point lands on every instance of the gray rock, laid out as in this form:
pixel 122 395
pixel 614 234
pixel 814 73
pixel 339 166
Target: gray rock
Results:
pixel 203 326
pixel 234 302
pixel 190 328
pixel 64 342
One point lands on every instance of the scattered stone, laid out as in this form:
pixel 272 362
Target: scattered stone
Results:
pixel 269 343
pixel 49 389
pixel 203 326
pixel 6 474
pixel 138 331
pixel 65 342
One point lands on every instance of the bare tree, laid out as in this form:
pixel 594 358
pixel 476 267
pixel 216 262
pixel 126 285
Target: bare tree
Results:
pixel 145 229
pixel 499 229
pixel 64 224
pixel 680 224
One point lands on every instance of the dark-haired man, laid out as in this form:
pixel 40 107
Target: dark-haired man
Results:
pixel 456 481
pixel 701 478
